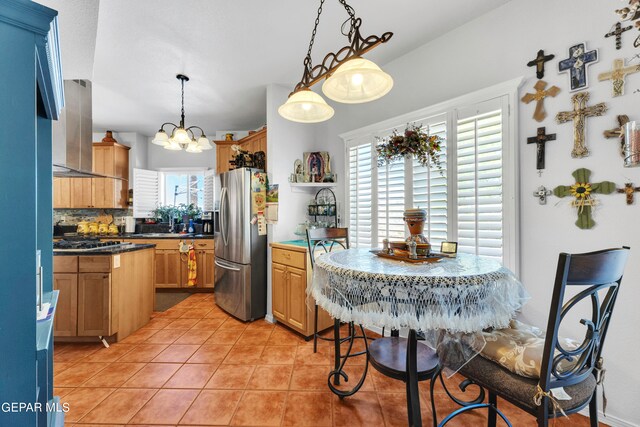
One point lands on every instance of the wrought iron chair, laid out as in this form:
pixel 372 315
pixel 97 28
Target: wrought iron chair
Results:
pixel 326 240
pixel 596 277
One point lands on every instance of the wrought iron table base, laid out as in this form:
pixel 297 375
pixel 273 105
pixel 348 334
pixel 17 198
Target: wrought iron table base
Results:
pixel 340 360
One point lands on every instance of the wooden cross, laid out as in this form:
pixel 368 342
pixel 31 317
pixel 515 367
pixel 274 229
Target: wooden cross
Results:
pixel 617 33
pixel 628 189
pixel 617 75
pixel 539 114
pixel 541 58
pixel 582 191
pixel 576 64
pixel 578 116
pixel 618 132
pixel 540 140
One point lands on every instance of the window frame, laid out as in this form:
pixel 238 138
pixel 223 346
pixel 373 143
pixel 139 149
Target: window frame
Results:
pixel 507 92
pixel 163 172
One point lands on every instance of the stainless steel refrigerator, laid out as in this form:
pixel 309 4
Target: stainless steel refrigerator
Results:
pixel 240 253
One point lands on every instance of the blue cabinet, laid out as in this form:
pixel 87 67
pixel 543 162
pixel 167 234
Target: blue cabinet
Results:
pixel 31 95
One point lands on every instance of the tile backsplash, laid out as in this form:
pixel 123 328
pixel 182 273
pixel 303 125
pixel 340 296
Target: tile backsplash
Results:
pixel 74 216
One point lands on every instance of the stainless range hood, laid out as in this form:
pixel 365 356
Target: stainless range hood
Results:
pixel 73 133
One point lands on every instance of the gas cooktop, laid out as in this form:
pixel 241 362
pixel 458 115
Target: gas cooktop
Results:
pixel 82 245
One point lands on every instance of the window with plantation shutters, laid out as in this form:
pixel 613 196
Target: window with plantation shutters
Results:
pixel 360 158
pixel 480 183
pixel 471 199
pixel 146 192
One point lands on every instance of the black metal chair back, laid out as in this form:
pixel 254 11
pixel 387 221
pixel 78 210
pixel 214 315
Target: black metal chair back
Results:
pixel 598 273
pixel 327 239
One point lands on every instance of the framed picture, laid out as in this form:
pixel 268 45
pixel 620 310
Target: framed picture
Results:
pixel 449 248
pixel 317 165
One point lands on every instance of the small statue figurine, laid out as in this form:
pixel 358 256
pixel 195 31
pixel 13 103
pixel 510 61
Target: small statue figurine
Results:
pixel 413 254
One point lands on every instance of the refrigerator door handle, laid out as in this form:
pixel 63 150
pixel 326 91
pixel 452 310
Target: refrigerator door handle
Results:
pixel 226 267
pixel 223 214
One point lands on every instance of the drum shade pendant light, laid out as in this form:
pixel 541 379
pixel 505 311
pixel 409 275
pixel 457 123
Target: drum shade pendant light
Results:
pixel 182 138
pixel 349 78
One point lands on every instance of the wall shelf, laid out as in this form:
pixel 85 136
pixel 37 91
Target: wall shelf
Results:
pixel 313 184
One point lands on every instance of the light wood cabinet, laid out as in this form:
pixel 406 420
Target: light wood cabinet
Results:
pixel 168 268
pixel 61 193
pixel 257 141
pixel 111 159
pixel 109 193
pixel 171 266
pixel 81 193
pixel 94 304
pixel 65 322
pixel 103 295
pixel 290 275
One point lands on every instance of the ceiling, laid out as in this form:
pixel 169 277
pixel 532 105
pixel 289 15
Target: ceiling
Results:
pixel 231 50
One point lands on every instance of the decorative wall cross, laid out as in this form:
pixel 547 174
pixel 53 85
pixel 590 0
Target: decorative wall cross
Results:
pixel 618 132
pixel 579 116
pixel 617 75
pixel 542 194
pixel 576 64
pixel 628 190
pixel 539 114
pixel 582 191
pixel 541 58
pixel 540 140
pixel 617 33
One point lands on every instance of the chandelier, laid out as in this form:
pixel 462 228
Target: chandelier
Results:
pixel 349 78
pixel 182 138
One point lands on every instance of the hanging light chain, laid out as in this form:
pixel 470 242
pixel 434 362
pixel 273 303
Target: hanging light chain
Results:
pixel 307 60
pixel 182 111
pixel 352 19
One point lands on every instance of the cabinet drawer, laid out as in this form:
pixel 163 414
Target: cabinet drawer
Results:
pixel 203 243
pixel 65 264
pixel 291 258
pixel 165 243
pixel 95 264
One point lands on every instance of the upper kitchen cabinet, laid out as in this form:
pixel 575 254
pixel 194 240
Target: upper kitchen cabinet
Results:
pixel 253 143
pixel 111 159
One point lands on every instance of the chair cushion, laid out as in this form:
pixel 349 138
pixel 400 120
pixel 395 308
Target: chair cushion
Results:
pixel 520 389
pixel 519 348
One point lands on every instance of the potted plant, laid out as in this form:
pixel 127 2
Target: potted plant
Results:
pixel 189 211
pixel 165 212
pixel 415 142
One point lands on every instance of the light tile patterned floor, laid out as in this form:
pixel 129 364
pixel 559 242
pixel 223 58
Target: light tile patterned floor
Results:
pixel 195 365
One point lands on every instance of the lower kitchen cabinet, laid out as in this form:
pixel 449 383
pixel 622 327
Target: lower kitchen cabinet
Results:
pixel 65 322
pixel 290 275
pixel 168 268
pixel 103 295
pixel 94 304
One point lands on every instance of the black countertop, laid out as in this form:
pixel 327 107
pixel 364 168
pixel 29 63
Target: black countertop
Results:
pixel 106 250
pixel 130 236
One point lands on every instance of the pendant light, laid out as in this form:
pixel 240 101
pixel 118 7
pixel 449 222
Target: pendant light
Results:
pixel 349 78
pixel 182 138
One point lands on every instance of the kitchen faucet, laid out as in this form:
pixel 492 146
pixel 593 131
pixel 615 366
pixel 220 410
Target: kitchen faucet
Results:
pixel 171 224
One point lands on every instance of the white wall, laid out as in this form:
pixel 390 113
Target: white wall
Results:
pixel 495 48
pixel 158 158
pixel 286 141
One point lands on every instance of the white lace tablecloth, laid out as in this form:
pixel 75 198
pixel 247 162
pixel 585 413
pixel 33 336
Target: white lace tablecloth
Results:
pixel 458 295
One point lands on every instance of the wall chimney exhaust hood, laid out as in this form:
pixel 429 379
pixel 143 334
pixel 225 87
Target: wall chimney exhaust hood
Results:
pixel 72 134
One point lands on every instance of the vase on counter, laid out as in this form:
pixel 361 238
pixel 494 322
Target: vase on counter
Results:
pixel 415 220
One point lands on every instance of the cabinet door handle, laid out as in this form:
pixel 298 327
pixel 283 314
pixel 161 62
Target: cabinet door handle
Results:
pixel 286 255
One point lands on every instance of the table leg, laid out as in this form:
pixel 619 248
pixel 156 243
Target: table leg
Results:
pixel 337 342
pixel 413 396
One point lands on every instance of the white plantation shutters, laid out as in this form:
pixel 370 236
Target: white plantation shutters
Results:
pixel 429 188
pixel 145 192
pixel 360 158
pixel 209 188
pixel 480 201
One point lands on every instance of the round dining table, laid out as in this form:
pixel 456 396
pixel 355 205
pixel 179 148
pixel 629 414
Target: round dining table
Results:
pixel 450 301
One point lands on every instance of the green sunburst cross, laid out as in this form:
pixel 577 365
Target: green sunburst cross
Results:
pixel 582 191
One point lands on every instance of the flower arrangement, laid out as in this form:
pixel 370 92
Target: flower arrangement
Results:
pixel 414 142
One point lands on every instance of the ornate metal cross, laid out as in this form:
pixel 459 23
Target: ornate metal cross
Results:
pixel 578 116
pixel 617 75
pixel 628 190
pixel 542 194
pixel 576 64
pixel 618 132
pixel 539 114
pixel 541 58
pixel 540 140
pixel 617 33
pixel 582 191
